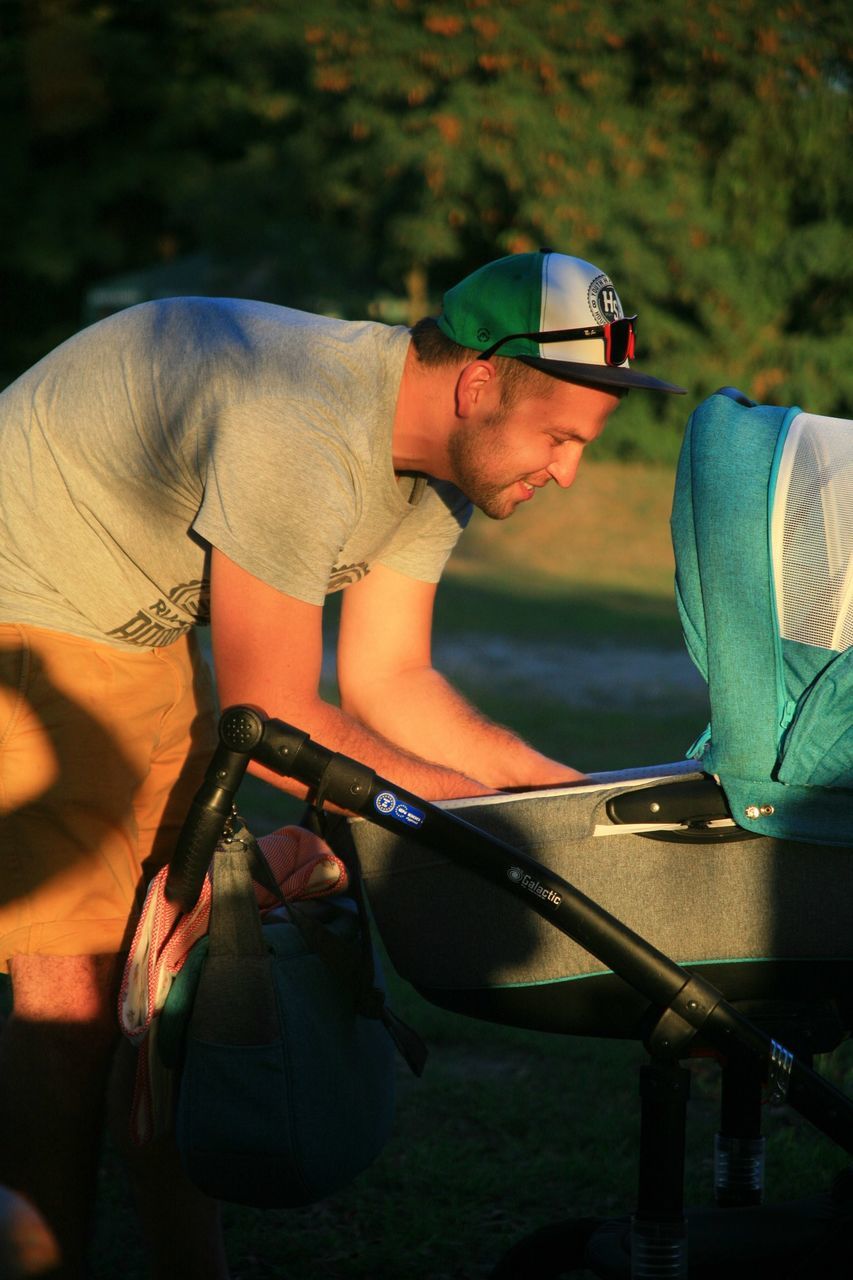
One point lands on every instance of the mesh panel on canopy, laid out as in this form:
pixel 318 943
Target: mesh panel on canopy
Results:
pixel 812 533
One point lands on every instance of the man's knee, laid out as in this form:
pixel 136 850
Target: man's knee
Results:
pixel 27 1245
pixel 71 991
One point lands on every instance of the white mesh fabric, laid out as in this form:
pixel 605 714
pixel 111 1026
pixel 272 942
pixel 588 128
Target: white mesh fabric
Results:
pixel 812 533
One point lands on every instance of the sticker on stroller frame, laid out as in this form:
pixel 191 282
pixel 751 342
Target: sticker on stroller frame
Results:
pixel 525 881
pixel 386 802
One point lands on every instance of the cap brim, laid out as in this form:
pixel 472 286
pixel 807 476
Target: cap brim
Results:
pixel 604 374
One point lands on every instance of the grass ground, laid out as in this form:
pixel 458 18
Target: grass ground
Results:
pixel 509 1130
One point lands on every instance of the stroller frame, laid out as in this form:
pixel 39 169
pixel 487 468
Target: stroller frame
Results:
pixel 690 1013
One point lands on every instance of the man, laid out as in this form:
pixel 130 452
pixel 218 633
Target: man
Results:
pixel 207 457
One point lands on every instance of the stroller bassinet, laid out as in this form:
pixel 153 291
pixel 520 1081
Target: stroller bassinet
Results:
pixel 736 865
pixel 760 906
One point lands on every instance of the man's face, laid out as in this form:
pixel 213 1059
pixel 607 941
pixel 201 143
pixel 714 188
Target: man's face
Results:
pixel 500 458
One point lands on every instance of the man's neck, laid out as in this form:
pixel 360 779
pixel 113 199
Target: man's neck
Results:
pixel 422 418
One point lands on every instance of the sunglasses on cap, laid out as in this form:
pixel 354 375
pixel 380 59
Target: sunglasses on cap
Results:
pixel 618 338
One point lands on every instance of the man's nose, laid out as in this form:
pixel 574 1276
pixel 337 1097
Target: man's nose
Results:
pixel 564 466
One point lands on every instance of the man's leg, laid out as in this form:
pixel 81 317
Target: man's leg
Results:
pixel 65 789
pixel 55 1054
pixel 82 728
pixel 181 1225
pixel 27 1247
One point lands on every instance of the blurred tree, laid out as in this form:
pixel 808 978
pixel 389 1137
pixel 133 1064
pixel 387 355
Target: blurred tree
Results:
pixel 328 152
pixel 139 131
pixel 700 154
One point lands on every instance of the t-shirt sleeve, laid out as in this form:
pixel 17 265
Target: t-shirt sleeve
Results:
pixel 261 475
pixel 422 546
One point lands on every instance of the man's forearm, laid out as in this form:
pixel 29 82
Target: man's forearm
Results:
pixel 422 713
pixel 398 762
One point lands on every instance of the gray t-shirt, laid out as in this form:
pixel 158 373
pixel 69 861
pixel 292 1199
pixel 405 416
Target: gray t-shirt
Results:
pixel 176 425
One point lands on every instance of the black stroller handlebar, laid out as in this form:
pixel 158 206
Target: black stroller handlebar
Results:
pixel 687 1003
pixel 204 824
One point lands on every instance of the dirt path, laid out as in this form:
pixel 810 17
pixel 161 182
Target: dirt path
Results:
pixel 608 675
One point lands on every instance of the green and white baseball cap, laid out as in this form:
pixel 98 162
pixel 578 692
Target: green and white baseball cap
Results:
pixel 560 314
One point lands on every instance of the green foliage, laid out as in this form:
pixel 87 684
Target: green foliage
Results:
pixel 332 152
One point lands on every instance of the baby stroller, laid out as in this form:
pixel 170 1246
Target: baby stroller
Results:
pixel 694 906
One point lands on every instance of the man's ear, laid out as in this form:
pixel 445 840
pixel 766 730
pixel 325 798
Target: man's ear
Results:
pixel 477 384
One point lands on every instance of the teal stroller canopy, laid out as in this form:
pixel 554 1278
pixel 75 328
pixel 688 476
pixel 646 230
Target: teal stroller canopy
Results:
pixel 762 527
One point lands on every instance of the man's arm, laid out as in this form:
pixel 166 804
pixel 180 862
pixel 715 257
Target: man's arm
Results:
pixel 268 650
pixel 387 682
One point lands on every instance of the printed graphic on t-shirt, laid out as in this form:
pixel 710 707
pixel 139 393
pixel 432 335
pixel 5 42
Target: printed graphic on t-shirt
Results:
pixel 165 621
pixel 345 575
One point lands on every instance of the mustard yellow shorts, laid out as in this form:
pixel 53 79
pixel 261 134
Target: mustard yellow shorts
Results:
pixel 101 751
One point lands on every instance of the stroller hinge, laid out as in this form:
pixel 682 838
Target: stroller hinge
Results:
pixel 679 1023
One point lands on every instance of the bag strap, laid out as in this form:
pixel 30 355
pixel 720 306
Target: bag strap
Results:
pixel 235 1000
pixel 235 923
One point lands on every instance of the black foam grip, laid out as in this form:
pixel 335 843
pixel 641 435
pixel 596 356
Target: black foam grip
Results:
pixel 203 826
pixel 193 852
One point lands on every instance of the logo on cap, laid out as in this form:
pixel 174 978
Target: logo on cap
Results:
pixel 604 300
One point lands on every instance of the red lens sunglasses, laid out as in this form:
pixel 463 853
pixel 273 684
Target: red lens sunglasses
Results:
pixel 619 338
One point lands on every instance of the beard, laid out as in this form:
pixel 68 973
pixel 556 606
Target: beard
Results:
pixel 472 453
